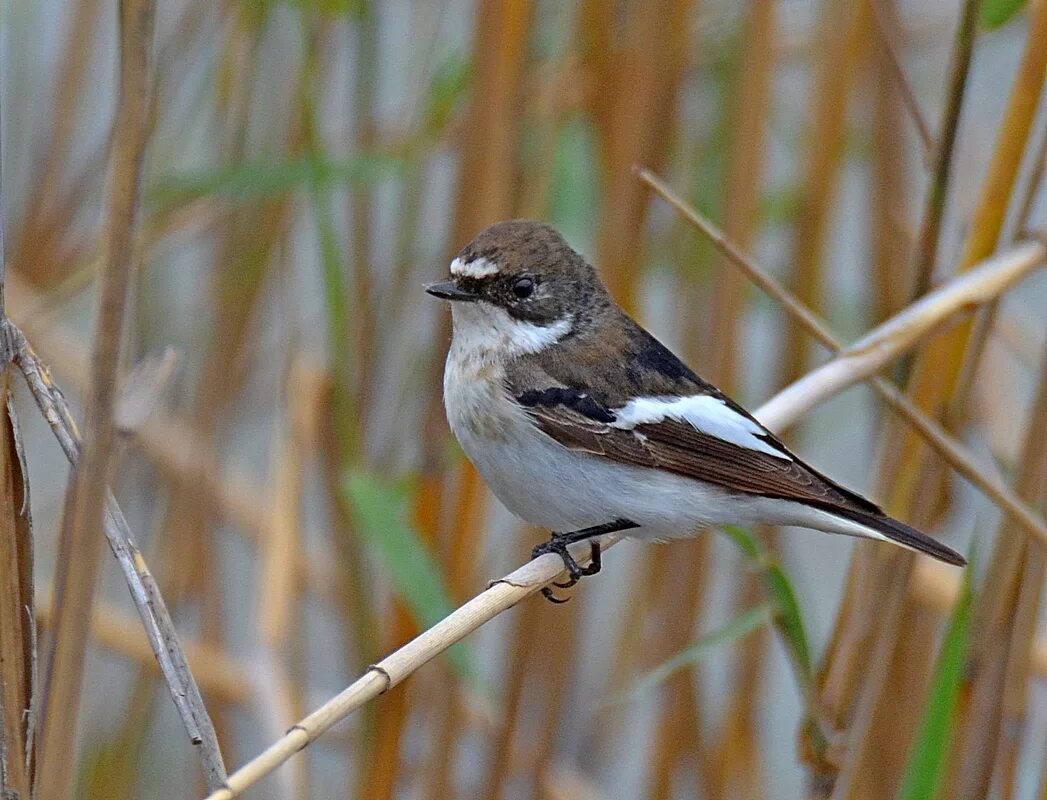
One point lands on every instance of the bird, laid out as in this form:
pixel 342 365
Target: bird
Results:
pixel 583 423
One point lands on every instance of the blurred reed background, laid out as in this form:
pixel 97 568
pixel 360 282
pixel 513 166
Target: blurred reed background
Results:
pixel 294 487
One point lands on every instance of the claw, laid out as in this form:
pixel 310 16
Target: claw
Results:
pixel 547 593
pixel 558 544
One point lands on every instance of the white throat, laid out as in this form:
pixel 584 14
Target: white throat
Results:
pixel 485 332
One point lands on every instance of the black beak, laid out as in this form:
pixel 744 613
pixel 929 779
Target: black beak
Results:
pixel 447 290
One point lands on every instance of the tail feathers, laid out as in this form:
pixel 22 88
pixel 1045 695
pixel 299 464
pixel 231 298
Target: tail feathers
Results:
pixel 900 533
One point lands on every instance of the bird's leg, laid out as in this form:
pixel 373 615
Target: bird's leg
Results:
pixel 559 542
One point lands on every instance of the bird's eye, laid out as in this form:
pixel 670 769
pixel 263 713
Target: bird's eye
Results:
pixel 523 287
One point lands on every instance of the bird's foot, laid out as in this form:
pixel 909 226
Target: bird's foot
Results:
pixel 558 544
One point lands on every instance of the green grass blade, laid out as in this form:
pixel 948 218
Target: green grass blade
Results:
pixel 574 196
pixel 737 628
pixel 997 13
pixel 925 772
pixel 448 87
pixel 267 178
pixel 379 510
pixel 789 619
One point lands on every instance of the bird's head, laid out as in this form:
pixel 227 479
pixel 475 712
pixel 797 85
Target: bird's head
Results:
pixel 519 286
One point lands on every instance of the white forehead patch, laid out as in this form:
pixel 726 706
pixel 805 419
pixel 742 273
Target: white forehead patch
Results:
pixel 477 268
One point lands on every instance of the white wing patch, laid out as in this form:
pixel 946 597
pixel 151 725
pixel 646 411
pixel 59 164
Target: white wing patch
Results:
pixel 477 268
pixel 706 413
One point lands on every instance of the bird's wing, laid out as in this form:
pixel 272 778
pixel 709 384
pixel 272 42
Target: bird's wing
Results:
pixel 698 437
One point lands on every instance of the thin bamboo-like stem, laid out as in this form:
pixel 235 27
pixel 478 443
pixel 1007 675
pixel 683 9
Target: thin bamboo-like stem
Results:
pixel 934 209
pixel 653 56
pixel 844 34
pixel 80 550
pixel 18 642
pixel 889 172
pixel 277 602
pixel 1004 603
pixel 884 32
pixel 731 765
pixel 522 646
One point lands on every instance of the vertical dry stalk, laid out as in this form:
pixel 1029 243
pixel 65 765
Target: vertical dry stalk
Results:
pixel 17 631
pixel 643 90
pixel 845 33
pixel 934 209
pixel 890 244
pixel 81 546
pixel 1002 627
pixel 39 250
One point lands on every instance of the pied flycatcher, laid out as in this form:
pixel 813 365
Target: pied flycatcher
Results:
pixel 580 421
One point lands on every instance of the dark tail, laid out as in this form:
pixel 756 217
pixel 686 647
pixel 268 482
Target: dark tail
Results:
pixel 904 535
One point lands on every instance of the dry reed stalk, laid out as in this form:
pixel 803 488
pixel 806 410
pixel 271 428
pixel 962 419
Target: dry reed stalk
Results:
pixel 80 550
pixel 392 670
pixel 38 251
pixel 361 201
pixel 17 630
pixel 521 652
pixel 843 36
pixel 953 452
pixel 750 106
pixel 446 709
pixel 595 41
pixel 941 171
pixel 557 650
pixel 1032 189
pixel 488 185
pixel 683 588
pixel 635 87
pixel 890 248
pixel 488 180
pixel 1003 625
pixel 642 87
pixel 277 604
pixel 1017 681
pixel 885 25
